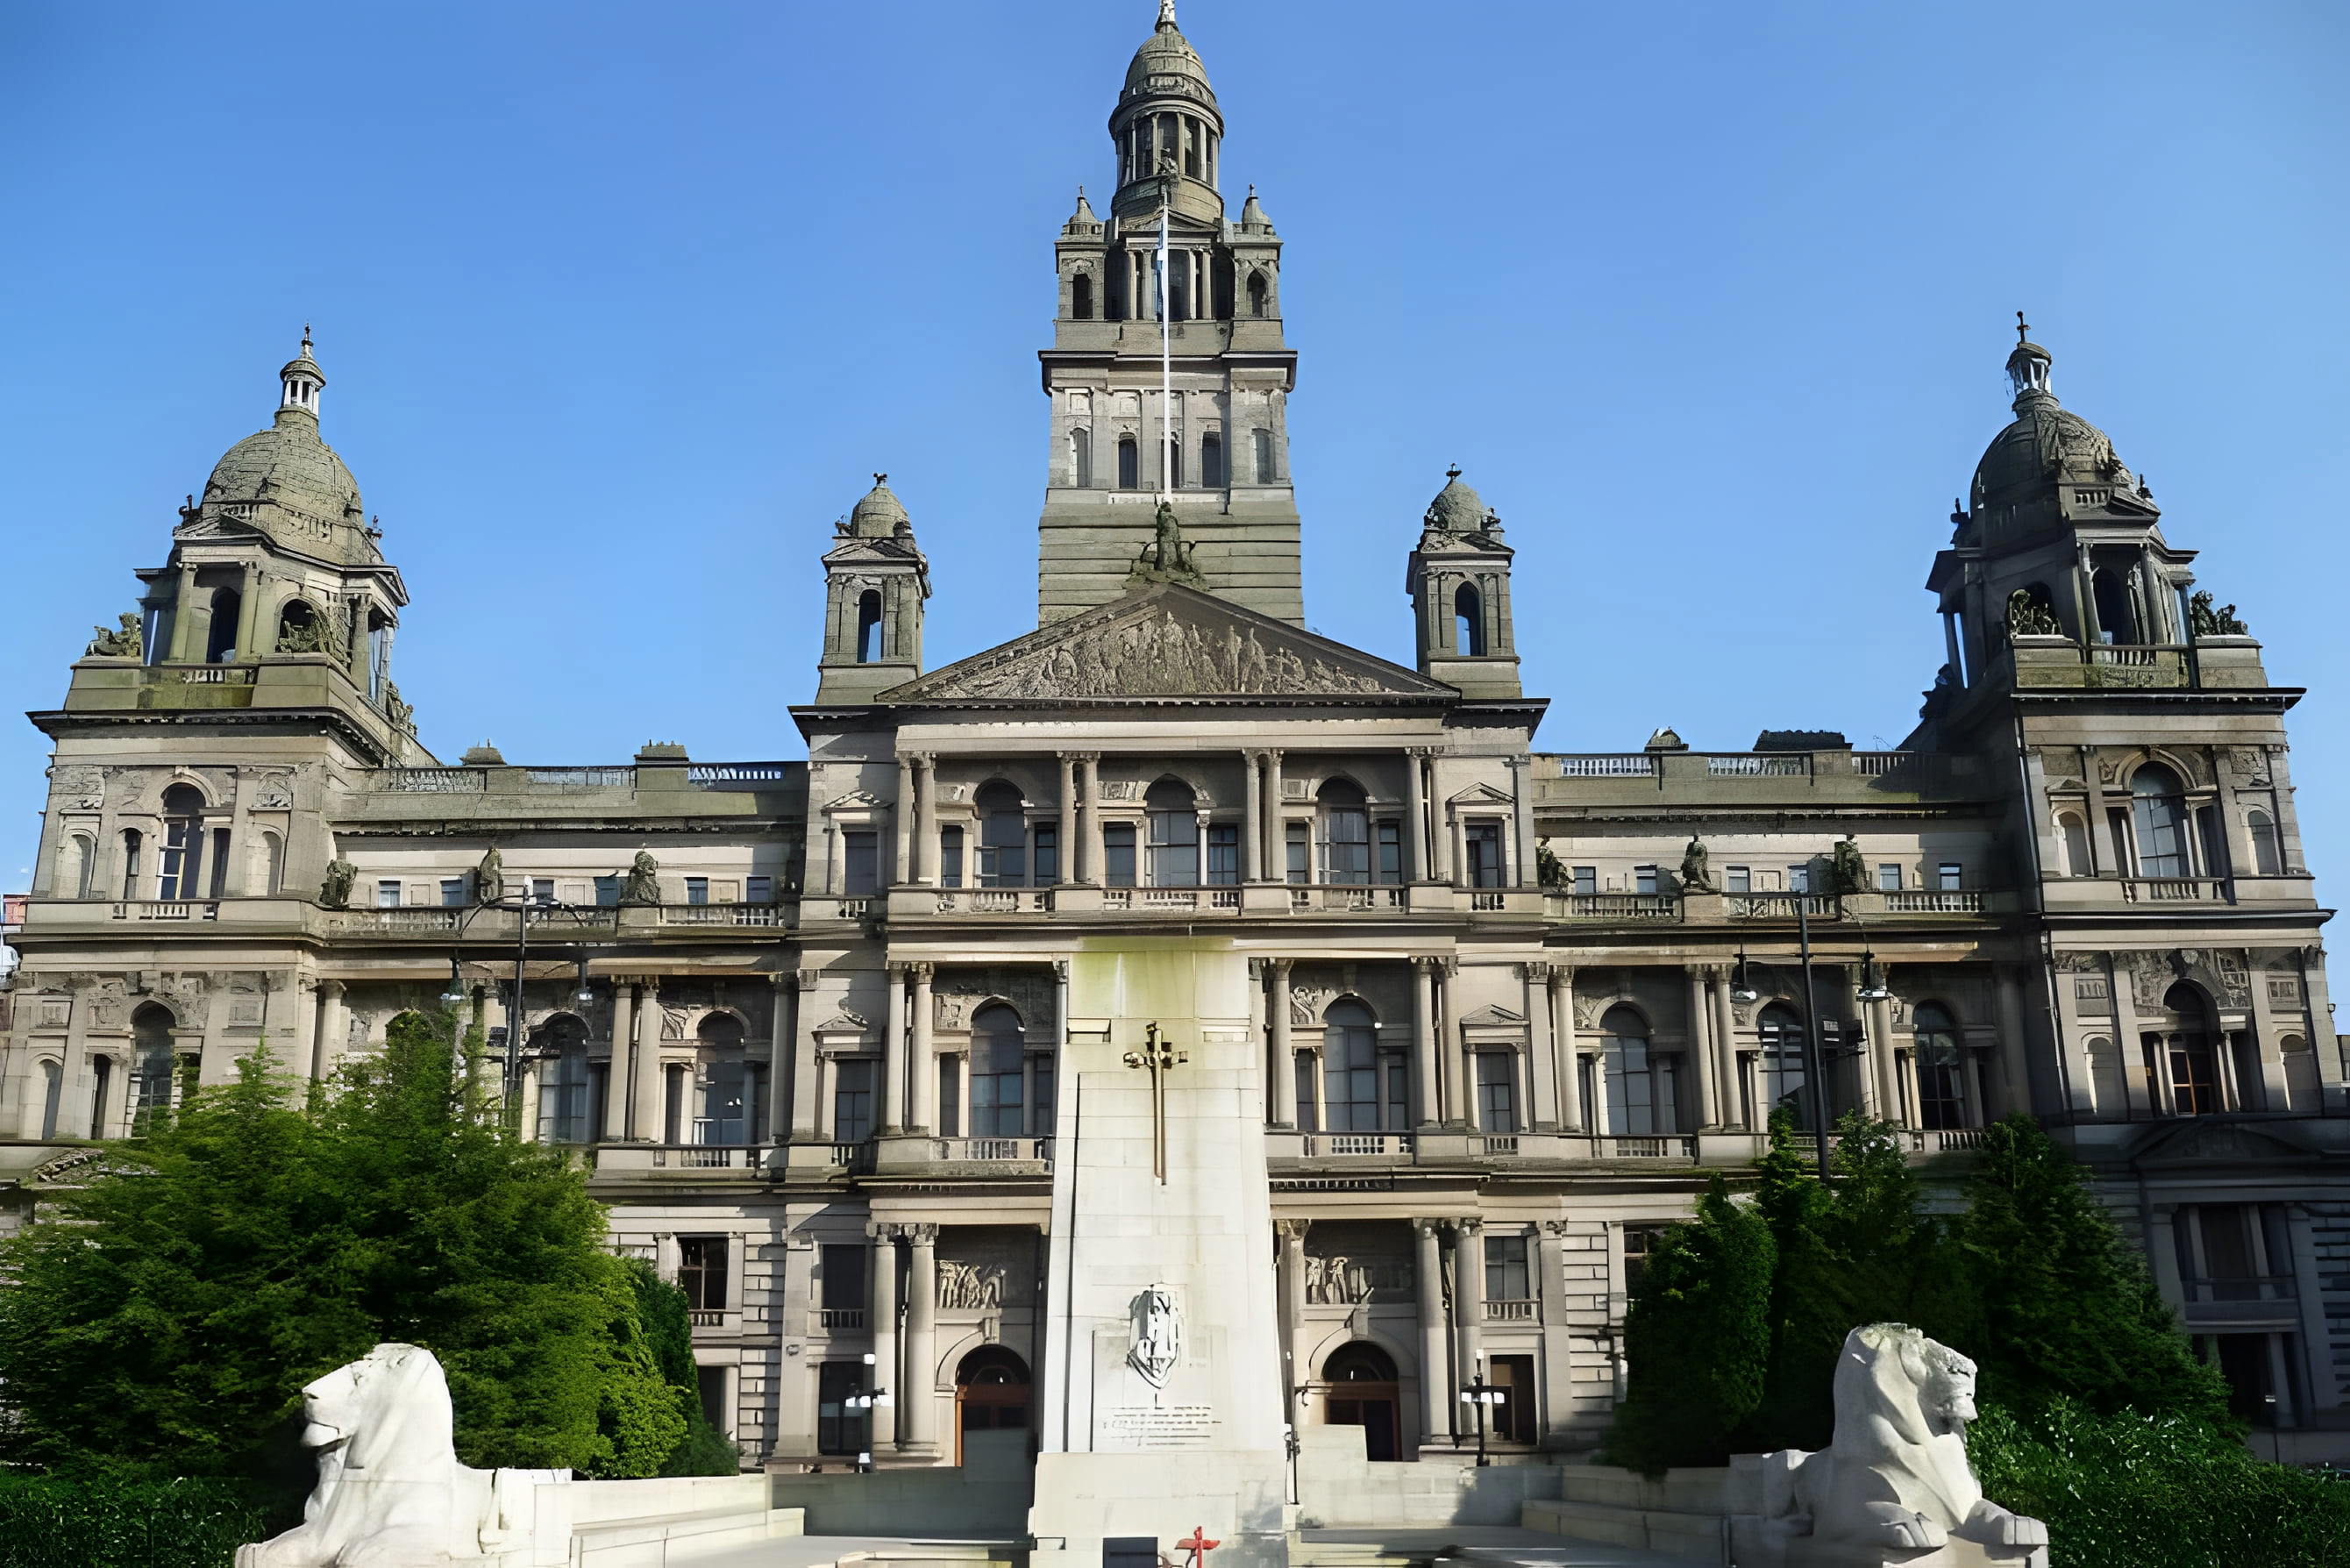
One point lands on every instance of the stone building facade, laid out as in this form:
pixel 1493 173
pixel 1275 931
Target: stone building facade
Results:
pixel 808 1023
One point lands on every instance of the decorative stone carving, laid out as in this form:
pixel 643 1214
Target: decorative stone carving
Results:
pixel 334 892
pixel 969 1286
pixel 78 788
pixel 1847 873
pixel 2027 617
pixel 390 1488
pixel 1155 1344
pixel 2205 621
pixel 1894 1486
pixel 272 791
pixel 1339 1280
pixel 643 886
pixel 126 642
pixel 401 714
pixel 1696 875
pixel 957 994
pixel 1167 557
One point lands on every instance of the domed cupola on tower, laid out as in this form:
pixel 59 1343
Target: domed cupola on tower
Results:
pixel 2049 463
pixel 1167 129
pixel 1458 580
pixel 876 579
pixel 287 484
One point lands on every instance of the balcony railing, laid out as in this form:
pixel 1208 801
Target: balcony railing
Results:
pixel 841 1318
pixel 722 915
pixel 701 1156
pixel 1634 765
pixel 1345 897
pixel 1510 1312
pixel 1664 1148
pixel 1614 906
pixel 1779 905
pixel 705 1317
pixel 1941 902
pixel 168 909
pixel 2176 890
pixel 1759 764
pixel 984 1151
pixel 1500 1145
pixel 994 902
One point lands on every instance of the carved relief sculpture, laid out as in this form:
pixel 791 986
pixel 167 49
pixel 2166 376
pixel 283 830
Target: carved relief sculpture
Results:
pixel 1155 1346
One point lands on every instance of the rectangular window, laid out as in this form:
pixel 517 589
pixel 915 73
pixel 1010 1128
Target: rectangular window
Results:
pixel 1644 879
pixel 1506 1278
pixel 1345 845
pixel 1952 876
pixel 949 857
pixel 1398 1108
pixel 1514 1417
pixel 1889 878
pixel 1300 852
pixel 1799 877
pixel 1736 879
pixel 453 892
pixel 1308 1118
pixel 1041 1112
pixel 702 1271
pixel 387 895
pixel 842 1286
pixel 218 885
pixel 1223 854
pixel 542 889
pixel 1174 849
pixel 1390 863
pixel 1586 878
pixel 839 1427
pixel 852 1102
pixel 1638 1240
pixel 697 889
pixel 1117 854
pixel 1048 854
pixel 950 1097
pixel 756 890
pixel 860 868
pixel 1497 1094
pixel 1484 867
pixel 607 892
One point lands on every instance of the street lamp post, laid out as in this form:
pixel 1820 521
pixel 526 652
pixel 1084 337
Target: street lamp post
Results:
pixel 522 909
pixel 863 1402
pixel 1483 1396
pixel 1742 989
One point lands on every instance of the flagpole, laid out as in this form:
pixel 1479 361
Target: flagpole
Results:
pixel 1166 353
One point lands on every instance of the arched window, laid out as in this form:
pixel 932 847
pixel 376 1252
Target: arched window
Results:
pixel 999 1061
pixel 1081 457
pixel 1174 451
pixel 1345 832
pixel 298 628
pixel 2117 617
pixel 220 642
pixel 1257 293
pixel 1081 297
pixel 562 1083
pixel 1941 1070
pixel 151 1066
pixel 992 1391
pixel 183 843
pixel 1350 1071
pixel 101 1070
pixel 53 1083
pixel 2075 834
pixel 1003 837
pixel 2043 605
pixel 1211 461
pixel 1784 1086
pixel 721 1082
pixel 1468 622
pixel 1639 1082
pixel 868 627
pixel 131 845
pixel 2268 861
pixel 2194 1063
pixel 76 864
pixel 1174 826
pixel 1262 441
pixel 2158 815
pixel 1361 1391
pixel 270 870
pixel 1130 464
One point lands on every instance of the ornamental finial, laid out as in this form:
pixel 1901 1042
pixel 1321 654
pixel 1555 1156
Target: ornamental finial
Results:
pixel 1167 15
pixel 2023 328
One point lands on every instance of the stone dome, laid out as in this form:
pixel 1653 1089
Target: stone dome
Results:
pixel 878 515
pixel 289 482
pixel 1166 53
pixel 1458 509
pixel 2045 444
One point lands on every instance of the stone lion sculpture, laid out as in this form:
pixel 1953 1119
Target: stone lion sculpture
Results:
pixel 1894 1486
pixel 391 1493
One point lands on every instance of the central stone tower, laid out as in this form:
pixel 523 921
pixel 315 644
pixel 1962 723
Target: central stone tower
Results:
pixel 1217 448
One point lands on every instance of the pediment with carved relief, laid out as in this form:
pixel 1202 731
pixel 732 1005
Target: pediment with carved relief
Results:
pixel 1167 640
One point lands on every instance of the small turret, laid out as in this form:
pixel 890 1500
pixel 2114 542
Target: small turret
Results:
pixel 1458 580
pixel 876 579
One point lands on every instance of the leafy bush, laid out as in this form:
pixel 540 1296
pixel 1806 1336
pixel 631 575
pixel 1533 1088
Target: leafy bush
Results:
pixel 704 1450
pixel 112 1521
pixel 2135 1491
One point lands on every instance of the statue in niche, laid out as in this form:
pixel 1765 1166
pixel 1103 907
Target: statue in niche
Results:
pixel 1155 1346
pixel 1696 876
pixel 643 886
pixel 490 877
pixel 334 892
pixel 311 633
pixel 2027 616
pixel 1846 872
pixel 2205 621
pixel 126 642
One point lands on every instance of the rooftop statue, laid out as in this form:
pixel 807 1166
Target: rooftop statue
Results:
pixel 334 892
pixel 2201 619
pixel 391 1493
pixel 643 886
pixel 1894 1486
pixel 127 643
pixel 1695 877
pixel 1168 557
pixel 490 877
pixel 1847 873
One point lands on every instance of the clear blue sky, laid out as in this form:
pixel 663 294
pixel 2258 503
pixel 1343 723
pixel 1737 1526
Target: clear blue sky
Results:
pixel 621 304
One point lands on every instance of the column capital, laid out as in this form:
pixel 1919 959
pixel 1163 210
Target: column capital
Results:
pixel 1535 968
pixel 882 1230
pixel 780 980
pixel 1281 968
pixel 807 978
pixel 1468 1225
pixel 1423 751
pixel 922 971
pixel 329 986
pixel 897 968
pixel 1061 971
pixel 1257 970
pixel 921 1233
pixel 1427 1229
pixel 1556 1227
pixel 1427 963
pixel 1293 1231
pixel 1079 756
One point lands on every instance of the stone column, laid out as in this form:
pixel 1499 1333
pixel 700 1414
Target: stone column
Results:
pixel 2084 593
pixel 618 1073
pixel 926 819
pixel 77 1105
pixel 1435 1369
pixel 645 1063
pixel 2315 1334
pixel 183 622
pixel 919 1402
pixel 1253 819
pixel 1089 787
pixel 808 1121
pixel 884 1315
pixel 2137 1092
pixel 1522 793
pixel 248 613
pixel 334 1027
pixel 1572 1114
pixel 1535 993
pixel 1283 1091
pixel 1450 1050
pixel 1424 1040
pixel 1290 1242
pixel 1469 1297
pixel 925 1064
pixel 2162 1254
pixel 1277 837
pixel 1877 1067
pixel 901 819
pixel 1699 1050
pixel 893 1049
pixel 784 987
pixel 1725 1044
pixel 1416 824
pixel 1066 868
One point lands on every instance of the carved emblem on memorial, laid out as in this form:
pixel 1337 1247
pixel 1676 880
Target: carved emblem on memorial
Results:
pixel 1155 1345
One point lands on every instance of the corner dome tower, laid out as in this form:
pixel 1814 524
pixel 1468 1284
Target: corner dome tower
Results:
pixel 2046 444
pixel 286 483
pixel 1167 129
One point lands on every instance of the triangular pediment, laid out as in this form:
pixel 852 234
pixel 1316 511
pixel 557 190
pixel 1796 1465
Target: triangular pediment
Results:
pixel 2197 1141
pixel 1167 640
pixel 1479 794
pixel 1492 1017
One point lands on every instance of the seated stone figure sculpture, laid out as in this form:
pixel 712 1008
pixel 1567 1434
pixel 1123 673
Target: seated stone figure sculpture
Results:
pixel 1894 1486
pixel 391 1493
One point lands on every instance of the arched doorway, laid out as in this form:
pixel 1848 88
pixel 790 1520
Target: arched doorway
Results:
pixel 1361 1392
pixel 991 1393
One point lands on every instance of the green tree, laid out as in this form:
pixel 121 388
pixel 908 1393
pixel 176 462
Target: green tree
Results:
pixel 661 1306
pixel 1697 1335
pixel 171 1313
pixel 2067 1307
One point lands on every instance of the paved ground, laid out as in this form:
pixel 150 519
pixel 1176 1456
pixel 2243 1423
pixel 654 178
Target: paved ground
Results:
pixel 1501 1545
pixel 806 1550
